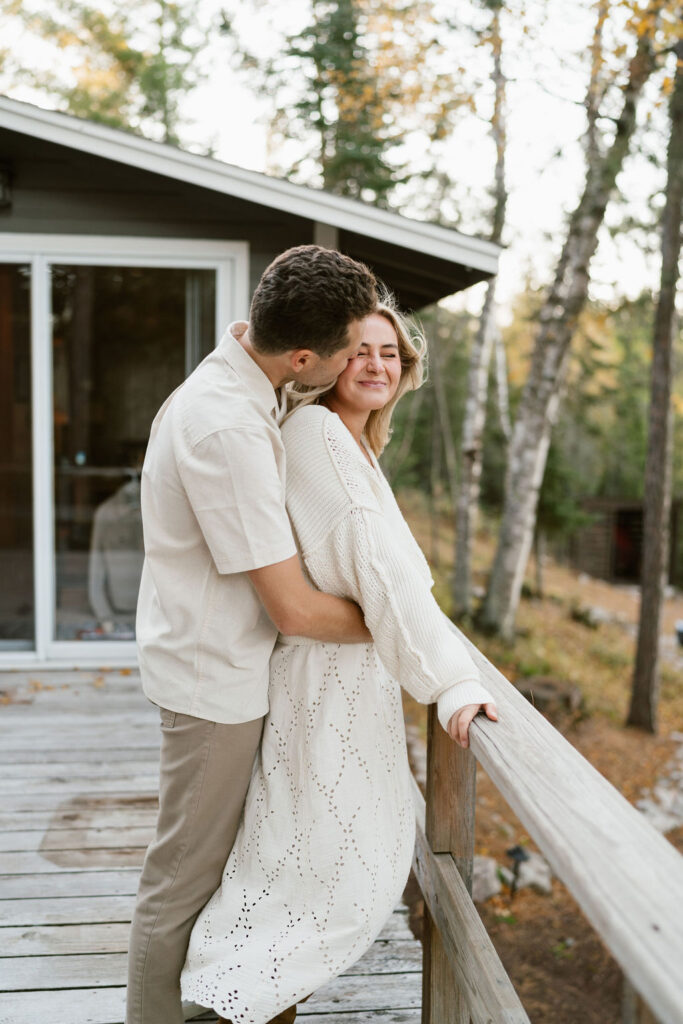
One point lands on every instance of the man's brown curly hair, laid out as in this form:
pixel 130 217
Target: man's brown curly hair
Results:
pixel 307 298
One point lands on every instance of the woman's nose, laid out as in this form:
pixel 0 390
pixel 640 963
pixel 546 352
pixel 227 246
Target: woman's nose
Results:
pixel 374 362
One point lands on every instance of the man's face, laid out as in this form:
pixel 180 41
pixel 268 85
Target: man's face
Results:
pixel 326 371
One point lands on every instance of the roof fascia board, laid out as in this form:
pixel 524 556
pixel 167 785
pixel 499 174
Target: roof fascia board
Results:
pixel 119 146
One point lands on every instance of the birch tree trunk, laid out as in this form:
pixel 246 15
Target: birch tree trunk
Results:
pixel 480 358
pixel 434 488
pixel 471 461
pixel 450 459
pixel 643 709
pixel 502 390
pixel 540 400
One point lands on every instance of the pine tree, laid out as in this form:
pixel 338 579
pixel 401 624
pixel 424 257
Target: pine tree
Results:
pixel 341 102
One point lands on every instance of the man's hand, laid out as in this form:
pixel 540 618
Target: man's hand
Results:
pixel 460 721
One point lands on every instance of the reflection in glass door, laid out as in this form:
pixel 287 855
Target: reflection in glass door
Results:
pixel 17 606
pixel 122 339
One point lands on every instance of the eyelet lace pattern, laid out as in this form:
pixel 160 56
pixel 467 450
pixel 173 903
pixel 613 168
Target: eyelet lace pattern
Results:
pixel 326 842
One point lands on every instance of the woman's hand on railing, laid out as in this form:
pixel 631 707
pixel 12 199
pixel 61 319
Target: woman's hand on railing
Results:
pixel 460 722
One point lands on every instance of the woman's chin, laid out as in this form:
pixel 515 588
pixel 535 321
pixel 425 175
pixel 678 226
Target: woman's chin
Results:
pixel 372 400
pixel 363 403
pixel 373 404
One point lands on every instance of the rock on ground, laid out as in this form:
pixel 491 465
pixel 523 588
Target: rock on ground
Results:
pixel 485 880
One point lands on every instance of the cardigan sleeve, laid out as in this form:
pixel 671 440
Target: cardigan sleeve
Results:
pixel 410 631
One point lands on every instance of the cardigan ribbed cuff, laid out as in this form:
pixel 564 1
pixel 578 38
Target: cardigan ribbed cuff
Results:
pixel 469 691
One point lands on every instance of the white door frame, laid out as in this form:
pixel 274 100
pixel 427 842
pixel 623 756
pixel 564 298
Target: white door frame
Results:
pixel 230 260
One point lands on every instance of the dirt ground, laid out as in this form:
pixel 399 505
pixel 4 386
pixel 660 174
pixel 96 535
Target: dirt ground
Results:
pixel 559 966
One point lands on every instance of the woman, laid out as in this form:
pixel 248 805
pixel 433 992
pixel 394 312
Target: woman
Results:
pixel 326 842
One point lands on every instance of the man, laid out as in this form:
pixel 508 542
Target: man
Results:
pixel 221 576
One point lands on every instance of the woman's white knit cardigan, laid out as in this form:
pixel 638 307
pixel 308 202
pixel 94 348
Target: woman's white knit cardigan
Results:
pixel 339 503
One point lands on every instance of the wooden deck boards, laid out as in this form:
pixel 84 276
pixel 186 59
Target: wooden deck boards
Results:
pixel 78 778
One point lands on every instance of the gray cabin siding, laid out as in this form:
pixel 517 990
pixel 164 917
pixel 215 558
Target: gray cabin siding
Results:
pixel 61 190
pixel 58 191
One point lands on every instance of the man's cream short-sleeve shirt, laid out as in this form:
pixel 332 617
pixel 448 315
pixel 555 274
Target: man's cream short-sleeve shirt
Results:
pixel 213 507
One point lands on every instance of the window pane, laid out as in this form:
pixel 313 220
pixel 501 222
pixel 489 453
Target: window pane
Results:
pixel 16 525
pixel 123 339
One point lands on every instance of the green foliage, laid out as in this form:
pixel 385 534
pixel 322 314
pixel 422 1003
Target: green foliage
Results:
pixel 624 427
pixel 341 102
pixel 610 656
pixel 410 466
pixel 506 918
pixel 534 665
pixel 128 69
pixel 559 510
pixel 600 441
pixel 169 69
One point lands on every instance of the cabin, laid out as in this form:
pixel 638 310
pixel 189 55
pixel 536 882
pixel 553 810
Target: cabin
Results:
pixel 122 261
pixel 610 545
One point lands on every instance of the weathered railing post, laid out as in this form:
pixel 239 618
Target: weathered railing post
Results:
pixel 451 774
pixel 634 1009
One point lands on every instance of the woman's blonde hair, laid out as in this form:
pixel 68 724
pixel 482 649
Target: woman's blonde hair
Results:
pixel 412 350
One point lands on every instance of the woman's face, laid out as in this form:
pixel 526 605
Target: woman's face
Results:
pixel 372 376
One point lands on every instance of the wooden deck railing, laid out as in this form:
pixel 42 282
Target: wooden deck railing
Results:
pixel 625 876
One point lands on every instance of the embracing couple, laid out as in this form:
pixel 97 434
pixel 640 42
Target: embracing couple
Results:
pixel 283 603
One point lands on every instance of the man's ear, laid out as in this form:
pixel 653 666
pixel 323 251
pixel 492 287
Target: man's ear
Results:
pixel 302 359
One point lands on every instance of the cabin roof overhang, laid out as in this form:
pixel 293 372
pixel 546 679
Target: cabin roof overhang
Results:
pixel 449 259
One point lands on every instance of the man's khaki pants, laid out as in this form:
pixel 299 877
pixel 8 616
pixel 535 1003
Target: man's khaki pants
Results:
pixel 204 777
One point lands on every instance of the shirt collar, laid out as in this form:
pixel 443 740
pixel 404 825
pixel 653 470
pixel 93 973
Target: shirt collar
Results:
pixel 249 371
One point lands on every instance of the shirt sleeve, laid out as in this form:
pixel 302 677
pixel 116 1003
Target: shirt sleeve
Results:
pixel 233 485
pixel 411 633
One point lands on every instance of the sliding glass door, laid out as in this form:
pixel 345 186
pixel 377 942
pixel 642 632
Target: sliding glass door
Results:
pixel 112 337
pixel 120 338
pixel 17 604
